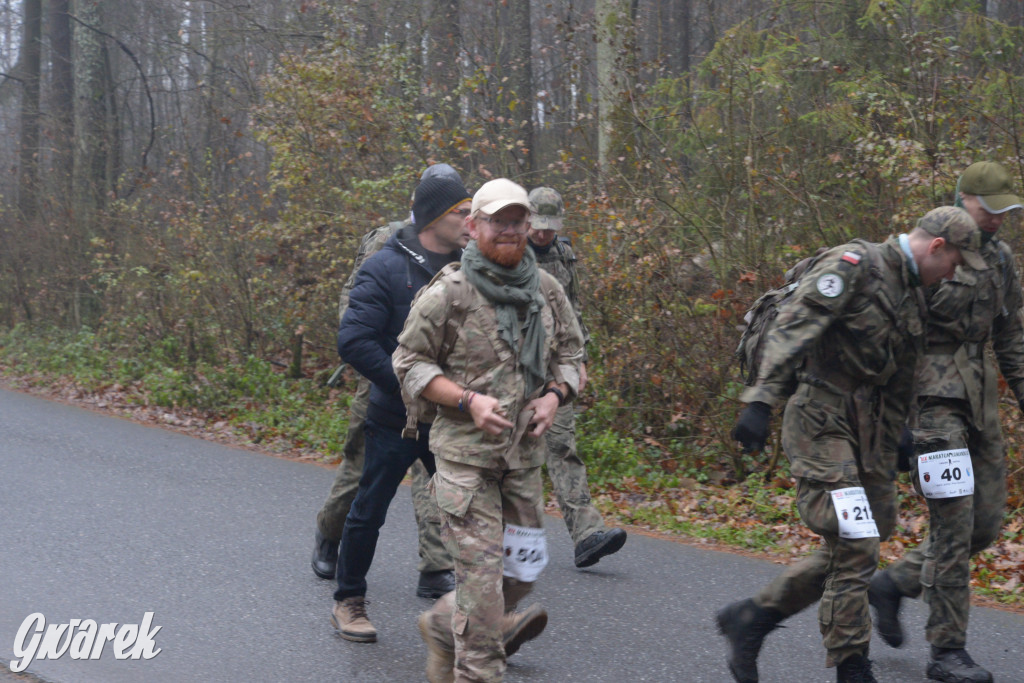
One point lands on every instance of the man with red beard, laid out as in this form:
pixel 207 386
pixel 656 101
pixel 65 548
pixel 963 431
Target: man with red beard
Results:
pixel 494 345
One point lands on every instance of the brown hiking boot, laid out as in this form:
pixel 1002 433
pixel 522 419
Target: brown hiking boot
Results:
pixel 440 656
pixel 349 617
pixel 519 627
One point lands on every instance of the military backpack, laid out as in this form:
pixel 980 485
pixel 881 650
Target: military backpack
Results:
pixel 760 318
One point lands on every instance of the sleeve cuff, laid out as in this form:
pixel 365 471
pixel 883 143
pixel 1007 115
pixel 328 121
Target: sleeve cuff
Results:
pixel 418 377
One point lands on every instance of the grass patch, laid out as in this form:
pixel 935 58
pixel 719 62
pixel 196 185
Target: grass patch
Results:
pixel 251 395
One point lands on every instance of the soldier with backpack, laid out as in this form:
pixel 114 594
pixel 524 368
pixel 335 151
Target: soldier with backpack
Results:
pixel 957 413
pixel 847 339
pixel 591 538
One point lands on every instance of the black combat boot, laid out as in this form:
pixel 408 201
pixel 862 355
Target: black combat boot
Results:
pixel 325 556
pixel 435 584
pixel 954 665
pixel 884 595
pixel 597 545
pixel 855 669
pixel 745 625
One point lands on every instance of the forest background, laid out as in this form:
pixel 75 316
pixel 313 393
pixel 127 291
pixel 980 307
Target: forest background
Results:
pixel 185 183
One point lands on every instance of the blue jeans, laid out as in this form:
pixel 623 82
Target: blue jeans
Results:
pixel 388 458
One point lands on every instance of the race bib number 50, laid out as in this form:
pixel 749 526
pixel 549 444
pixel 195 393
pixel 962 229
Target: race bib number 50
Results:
pixel 946 474
pixel 526 552
pixel 854 513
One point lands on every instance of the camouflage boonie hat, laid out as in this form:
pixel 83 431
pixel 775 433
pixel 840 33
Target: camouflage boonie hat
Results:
pixel 958 229
pixel 547 209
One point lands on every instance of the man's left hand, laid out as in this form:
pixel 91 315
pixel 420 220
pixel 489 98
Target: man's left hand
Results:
pixel 905 451
pixel 544 409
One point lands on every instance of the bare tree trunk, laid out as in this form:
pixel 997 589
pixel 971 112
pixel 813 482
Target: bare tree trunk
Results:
pixel 521 79
pixel 680 20
pixel 30 61
pixel 62 117
pixel 441 59
pixel 612 17
pixel 92 154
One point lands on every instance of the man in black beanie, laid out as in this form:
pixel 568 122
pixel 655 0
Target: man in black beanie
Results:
pixel 435 574
pixel 378 305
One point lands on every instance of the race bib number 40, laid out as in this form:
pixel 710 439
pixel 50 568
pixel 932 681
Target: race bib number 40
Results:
pixel 854 513
pixel 946 474
pixel 526 552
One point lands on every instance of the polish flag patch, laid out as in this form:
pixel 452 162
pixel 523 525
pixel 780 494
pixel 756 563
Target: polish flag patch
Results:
pixel 851 257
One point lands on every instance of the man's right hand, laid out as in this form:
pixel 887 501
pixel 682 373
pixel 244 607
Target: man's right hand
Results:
pixel 486 413
pixel 751 428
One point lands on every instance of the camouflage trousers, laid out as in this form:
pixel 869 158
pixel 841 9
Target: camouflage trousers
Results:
pixel 569 477
pixel 475 505
pixel 331 518
pixel 959 527
pixel 822 445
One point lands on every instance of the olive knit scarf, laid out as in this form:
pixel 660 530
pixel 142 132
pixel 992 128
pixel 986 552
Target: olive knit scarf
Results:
pixel 508 289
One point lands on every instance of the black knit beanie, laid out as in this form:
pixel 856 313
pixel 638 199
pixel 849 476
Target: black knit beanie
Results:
pixel 434 198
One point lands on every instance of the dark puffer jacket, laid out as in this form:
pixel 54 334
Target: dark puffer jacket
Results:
pixel 378 306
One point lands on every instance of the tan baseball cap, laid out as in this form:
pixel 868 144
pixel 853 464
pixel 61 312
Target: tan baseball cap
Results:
pixel 495 195
pixel 956 226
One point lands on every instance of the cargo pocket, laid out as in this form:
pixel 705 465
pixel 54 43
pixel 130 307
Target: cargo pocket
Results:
pixel 451 498
pixel 825 610
pixel 813 441
pixel 459 621
pixel 928 572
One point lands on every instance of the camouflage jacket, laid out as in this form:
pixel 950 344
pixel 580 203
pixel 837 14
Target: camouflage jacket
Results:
pixel 964 313
pixel 452 330
pixel 371 243
pixel 855 321
pixel 560 260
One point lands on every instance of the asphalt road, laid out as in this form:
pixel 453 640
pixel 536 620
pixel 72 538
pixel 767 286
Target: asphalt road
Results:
pixel 104 519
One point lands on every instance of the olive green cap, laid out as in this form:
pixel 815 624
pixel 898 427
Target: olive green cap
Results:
pixel 991 184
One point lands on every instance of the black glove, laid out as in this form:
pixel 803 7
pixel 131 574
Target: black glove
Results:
pixel 751 428
pixel 905 451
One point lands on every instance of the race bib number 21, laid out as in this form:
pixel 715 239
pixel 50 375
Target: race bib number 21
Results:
pixel 854 513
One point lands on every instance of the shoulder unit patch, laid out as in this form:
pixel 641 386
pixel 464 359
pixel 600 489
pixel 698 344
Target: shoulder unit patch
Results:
pixel 830 285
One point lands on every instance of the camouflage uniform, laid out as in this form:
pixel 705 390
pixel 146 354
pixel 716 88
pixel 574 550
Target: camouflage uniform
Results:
pixel 567 472
pixel 331 518
pixel 482 481
pixel 856 324
pixel 957 408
